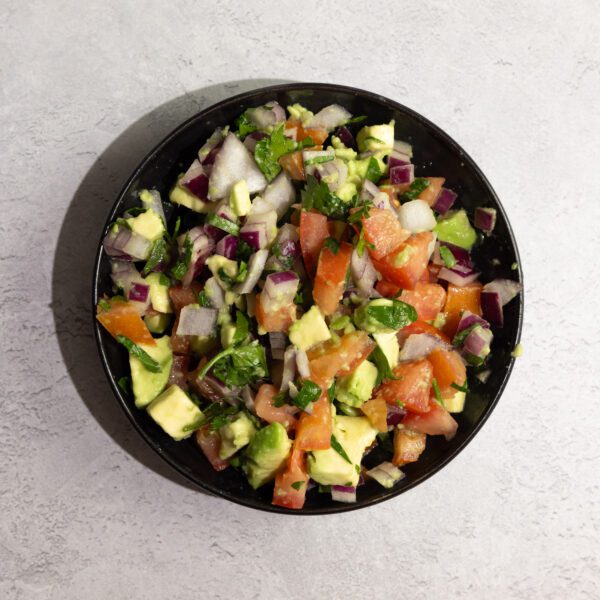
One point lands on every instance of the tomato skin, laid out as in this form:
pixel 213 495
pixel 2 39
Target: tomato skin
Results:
pixel 432 191
pixel 459 299
pixel 122 318
pixel 293 165
pixel 428 299
pixel 284 492
pixel 404 266
pixel 376 411
pixel 313 232
pixel 413 388
pixel 448 368
pixel 388 289
pixel 437 421
pixel 421 327
pixel 210 444
pixel 275 321
pixel 408 446
pixel 314 431
pixel 330 359
pixel 263 404
pixel 383 230
pixel 317 134
pixel 331 277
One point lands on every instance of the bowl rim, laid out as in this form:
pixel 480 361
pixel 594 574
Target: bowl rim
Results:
pixel 128 409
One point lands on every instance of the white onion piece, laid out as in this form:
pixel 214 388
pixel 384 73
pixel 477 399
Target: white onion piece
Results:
pixel 256 264
pixel 369 190
pixel 507 288
pixel 280 194
pixel 333 173
pixel 202 247
pixel 403 148
pixel 292 389
pixel 126 244
pixel 416 216
pixel 233 163
pixel 343 493
pixel 386 474
pixel 214 292
pixel 455 278
pixel 155 203
pixel 248 398
pixel 194 170
pixel 196 320
pixel 269 218
pixel 302 364
pixel 266 116
pixel 308 156
pixel 363 272
pixel 419 345
pixel 289 368
pixel 431 247
pixel 329 118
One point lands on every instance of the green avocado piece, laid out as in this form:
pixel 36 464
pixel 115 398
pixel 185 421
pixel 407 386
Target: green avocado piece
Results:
pixel 147 224
pixel 175 412
pixel 328 467
pixel 147 385
pixel 356 388
pixel 179 195
pixel 159 292
pixel 456 403
pixel 216 262
pixel 388 343
pixel 364 321
pixel 309 330
pixel 158 322
pixel 235 435
pixel 455 228
pixel 266 454
pixel 376 138
pixel 239 200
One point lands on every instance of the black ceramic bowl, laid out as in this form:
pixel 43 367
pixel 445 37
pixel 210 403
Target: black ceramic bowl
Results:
pixel 435 154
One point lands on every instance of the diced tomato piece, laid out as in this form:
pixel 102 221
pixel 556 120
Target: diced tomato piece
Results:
pixel 382 229
pixel 448 368
pixel 421 327
pixel 338 359
pixel 412 388
pixel 459 299
pixel 263 404
pixel 405 265
pixel 314 431
pixel 331 277
pixel 290 485
pixel 387 289
pixel 210 443
pixel 433 271
pixel 183 295
pixel 123 318
pixel 432 191
pixel 427 298
pixel 313 233
pixel 438 421
pixel 279 320
pixel 293 165
pixel 317 134
pixel 393 190
pixel 376 411
pixel 179 372
pixel 408 446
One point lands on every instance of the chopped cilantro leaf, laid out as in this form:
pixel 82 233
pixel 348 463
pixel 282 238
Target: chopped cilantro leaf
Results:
pixel 268 151
pixel 147 361
pixel 447 256
pixel 183 262
pixel 339 448
pixel 332 244
pixel 398 315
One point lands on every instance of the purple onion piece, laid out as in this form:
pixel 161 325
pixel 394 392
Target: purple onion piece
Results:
pixel 343 493
pixel 507 288
pixel 461 255
pixel 255 234
pixel 139 292
pixel 456 277
pixel 283 277
pixel 345 136
pixel 477 343
pixel 212 155
pixel 395 414
pixel 444 201
pixel 227 246
pixel 402 174
pixel 468 318
pixel 485 219
pixel 397 159
pixel 491 306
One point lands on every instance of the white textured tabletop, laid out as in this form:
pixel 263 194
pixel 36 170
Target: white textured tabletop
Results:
pixel 86 509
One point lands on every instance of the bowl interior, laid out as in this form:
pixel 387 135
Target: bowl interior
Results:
pixel 435 154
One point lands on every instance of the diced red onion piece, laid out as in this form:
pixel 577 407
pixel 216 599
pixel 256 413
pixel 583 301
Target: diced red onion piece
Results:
pixel 230 395
pixel 287 232
pixel 139 292
pixel 266 116
pixel 507 288
pixel 279 290
pixel 124 243
pixel 251 139
pixel 227 246
pixel 302 364
pixel 369 190
pixel 202 248
pixel 491 307
pixel 363 272
pixel 398 159
pixel 179 371
pixel 477 343
pixel 386 474
pixel 346 137
pixel 124 274
pixel 343 493
pixel 196 180
pixel 444 201
pixel 308 156
pixel 461 255
pixel 329 118
pixel 196 320
pixel 403 148
pixel 395 414
pixel 419 345
pixel 255 235
pixel 455 278
pixel 485 219
pixel 402 174
pixel 416 216
pixel 468 318
pixel 256 264
pixel 214 141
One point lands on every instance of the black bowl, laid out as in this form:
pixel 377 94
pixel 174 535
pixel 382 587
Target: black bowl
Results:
pixel 436 154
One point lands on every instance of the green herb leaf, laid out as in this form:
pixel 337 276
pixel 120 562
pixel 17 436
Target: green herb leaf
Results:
pixel 125 384
pixel 317 195
pixel 242 328
pixel 183 262
pixel 373 170
pixel 243 250
pixel 332 244
pixel 279 399
pixel 104 304
pixel 244 125
pixel 147 361
pixel 416 187
pixel 358 119
pixel 436 392
pixel 447 256
pixel 286 261
pixel 460 388
pixel 238 365
pixel 362 243
pixel 385 441
pixel 374 139
pixel 398 315
pixel 121 222
pixel 241 274
pixel 297 484
pixel 223 224
pixel 159 253
pixel 176 228
pixel 309 392
pixel 339 448
pixel 318 160
pixel 362 212
pixel 331 391
pixel 384 370
pixel 270 149
pixel 203 300
pixel 307 142
pixel 164 280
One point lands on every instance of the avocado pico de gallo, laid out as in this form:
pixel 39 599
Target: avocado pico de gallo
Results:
pixel 303 297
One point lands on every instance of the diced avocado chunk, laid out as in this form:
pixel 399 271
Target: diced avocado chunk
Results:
pixel 147 224
pixel 216 262
pixel 239 200
pixel 376 137
pixel 328 467
pixel 159 292
pixel 357 169
pixel 175 412
pixel 227 334
pixel 266 454
pixel 235 435
pixel 388 344
pixel 347 191
pixel 297 111
pixel 146 384
pixel 203 344
pixel 158 322
pixel 179 195
pixel 363 320
pixel 455 228
pixel 356 388
pixel 310 330
pixel 456 403
pixel 342 151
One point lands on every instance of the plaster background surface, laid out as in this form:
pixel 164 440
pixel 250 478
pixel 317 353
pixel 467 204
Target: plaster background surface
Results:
pixel 87 511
